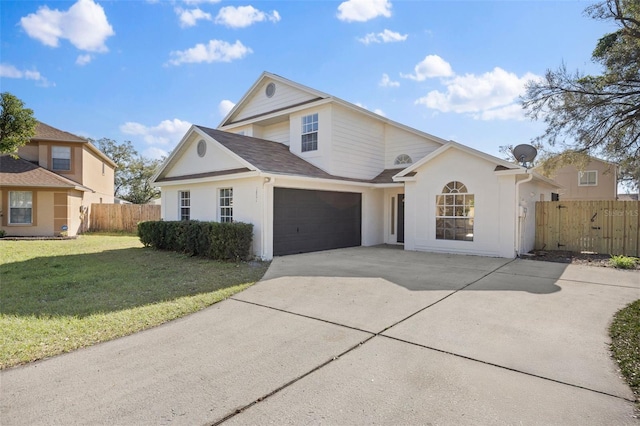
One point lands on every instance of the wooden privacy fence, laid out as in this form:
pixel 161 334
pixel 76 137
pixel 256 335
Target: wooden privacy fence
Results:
pixel 610 227
pixel 121 217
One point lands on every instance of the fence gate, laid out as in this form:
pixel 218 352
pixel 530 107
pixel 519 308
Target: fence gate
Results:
pixel 610 227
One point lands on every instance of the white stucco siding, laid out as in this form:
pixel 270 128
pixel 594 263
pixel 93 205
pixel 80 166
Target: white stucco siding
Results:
pixel 277 132
pixel 399 141
pixel 494 204
pixel 283 97
pixel 189 162
pixel 358 144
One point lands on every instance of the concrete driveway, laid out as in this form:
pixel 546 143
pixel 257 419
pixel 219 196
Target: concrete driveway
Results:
pixel 358 336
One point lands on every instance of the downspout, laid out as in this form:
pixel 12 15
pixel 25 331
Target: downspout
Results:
pixel 520 217
pixel 268 181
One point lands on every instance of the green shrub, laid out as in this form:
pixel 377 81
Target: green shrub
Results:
pixel 220 241
pixel 623 262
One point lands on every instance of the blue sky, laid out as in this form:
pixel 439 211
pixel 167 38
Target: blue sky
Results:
pixel 145 70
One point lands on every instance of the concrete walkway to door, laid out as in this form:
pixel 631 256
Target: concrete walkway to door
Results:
pixel 358 336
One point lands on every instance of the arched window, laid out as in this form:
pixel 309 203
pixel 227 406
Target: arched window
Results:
pixel 402 159
pixel 455 209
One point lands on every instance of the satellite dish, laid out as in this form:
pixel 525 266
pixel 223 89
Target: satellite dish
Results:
pixel 525 153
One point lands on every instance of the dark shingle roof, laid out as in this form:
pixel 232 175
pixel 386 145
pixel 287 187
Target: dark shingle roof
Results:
pixel 267 156
pixel 272 157
pixel 16 172
pixel 46 132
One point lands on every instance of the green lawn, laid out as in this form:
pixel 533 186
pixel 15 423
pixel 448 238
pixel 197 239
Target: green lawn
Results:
pixel 57 296
pixel 625 346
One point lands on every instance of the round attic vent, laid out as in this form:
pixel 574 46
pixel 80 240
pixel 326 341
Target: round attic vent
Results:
pixel 270 90
pixel 202 148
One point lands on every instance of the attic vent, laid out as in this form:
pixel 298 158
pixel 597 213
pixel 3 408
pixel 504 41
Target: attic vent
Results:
pixel 270 90
pixel 403 159
pixel 202 148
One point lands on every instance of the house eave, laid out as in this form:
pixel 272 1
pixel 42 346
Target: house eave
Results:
pixel 205 179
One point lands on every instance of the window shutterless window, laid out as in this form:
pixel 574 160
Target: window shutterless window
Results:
pixel 185 204
pixel 310 133
pixel 226 205
pixel 455 210
pixel 20 207
pixel 61 158
pixel 588 178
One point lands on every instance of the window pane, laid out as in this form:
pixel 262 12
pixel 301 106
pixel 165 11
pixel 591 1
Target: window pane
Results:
pixel 20 206
pixel 61 158
pixel 454 213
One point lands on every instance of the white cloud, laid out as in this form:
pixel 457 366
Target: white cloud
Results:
pixel 83 60
pixel 10 71
pixel 492 95
pixel 363 10
pixel 154 153
pixel 225 106
pixel 190 17
pixel 385 81
pixel 214 51
pixel 509 112
pixel 243 16
pixel 167 134
pixel 85 25
pixel 387 36
pixel 430 67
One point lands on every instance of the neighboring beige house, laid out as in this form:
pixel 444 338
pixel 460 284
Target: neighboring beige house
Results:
pixel 598 181
pixel 49 189
pixel 313 172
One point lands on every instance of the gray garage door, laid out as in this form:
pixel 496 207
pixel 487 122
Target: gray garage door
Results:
pixel 306 221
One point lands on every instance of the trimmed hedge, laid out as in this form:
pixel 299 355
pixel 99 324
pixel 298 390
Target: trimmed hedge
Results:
pixel 220 241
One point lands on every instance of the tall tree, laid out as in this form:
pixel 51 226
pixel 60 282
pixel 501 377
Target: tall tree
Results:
pixel 133 172
pixel 17 124
pixel 597 115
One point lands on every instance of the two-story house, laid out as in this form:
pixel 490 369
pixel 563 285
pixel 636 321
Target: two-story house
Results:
pixel 598 180
pixel 48 190
pixel 313 172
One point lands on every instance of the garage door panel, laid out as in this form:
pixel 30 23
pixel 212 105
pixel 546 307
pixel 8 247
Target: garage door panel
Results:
pixel 306 221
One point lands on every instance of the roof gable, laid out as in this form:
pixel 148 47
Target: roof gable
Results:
pixel 257 102
pixel 499 163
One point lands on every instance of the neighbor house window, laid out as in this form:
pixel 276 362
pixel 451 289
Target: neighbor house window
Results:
pixel 588 178
pixel 185 205
pixel 20 207
pixel 454 213
pixel 61 158
pixel 226 205
pixel 310 133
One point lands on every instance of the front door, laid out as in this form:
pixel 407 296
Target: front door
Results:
pixel 400 218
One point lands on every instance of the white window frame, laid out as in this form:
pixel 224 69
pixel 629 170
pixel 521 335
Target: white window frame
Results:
pixel 455 211
pixel 586 174
pixel 57 155
pixel 225 205
pixel 309 135
pixel 28 205
pixel 184 205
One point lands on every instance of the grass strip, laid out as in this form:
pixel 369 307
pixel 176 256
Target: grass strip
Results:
pixel 625 346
